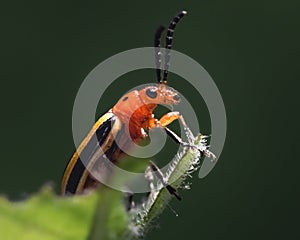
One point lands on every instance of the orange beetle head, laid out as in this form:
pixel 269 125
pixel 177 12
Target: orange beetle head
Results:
pixel 159 94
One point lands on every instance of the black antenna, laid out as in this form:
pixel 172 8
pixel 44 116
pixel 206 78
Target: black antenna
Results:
pixel 158 55
pixel 169 39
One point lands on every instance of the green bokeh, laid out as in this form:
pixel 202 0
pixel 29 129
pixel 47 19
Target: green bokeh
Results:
pixel 251 49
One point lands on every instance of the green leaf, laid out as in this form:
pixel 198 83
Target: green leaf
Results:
pixel 48 216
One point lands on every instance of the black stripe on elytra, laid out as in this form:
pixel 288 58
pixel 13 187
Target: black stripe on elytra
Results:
pixel 114 145
pixel 90 148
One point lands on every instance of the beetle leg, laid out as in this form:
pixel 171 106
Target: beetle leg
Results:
pixel 169 117
pixel 176 138
pixel 130 204
pixel 172 116
pixel 164 181
pixel 179 141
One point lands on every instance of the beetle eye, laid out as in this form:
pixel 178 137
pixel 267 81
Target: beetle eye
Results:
pixel 151 94
pixel 176 97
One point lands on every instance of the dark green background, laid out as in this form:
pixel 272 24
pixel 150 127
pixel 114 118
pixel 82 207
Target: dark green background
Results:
pixel 251 49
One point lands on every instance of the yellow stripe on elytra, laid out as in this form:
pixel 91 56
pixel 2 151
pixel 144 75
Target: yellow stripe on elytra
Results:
pixel 83 144
pixel 99 152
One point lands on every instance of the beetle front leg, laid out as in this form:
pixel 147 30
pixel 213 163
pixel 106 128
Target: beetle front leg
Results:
pixel 168 119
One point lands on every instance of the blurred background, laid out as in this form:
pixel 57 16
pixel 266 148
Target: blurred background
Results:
pixel 251 50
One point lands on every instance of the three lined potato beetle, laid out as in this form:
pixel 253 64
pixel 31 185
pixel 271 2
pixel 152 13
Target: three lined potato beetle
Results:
pixel 127 121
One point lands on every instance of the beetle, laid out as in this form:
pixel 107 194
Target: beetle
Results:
pixel 127 121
